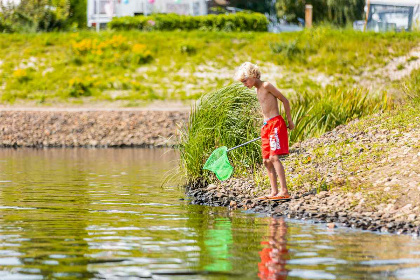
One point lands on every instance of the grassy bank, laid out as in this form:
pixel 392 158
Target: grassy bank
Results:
pixel 365 174
pixel 376 156
pixel 134 66
pixel 231 116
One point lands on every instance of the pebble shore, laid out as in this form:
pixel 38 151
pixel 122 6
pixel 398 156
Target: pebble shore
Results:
pixel 322 207
pixel 119 128
pixel 363 175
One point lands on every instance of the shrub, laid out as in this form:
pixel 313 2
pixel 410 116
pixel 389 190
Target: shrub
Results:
pixel 188 49
pixel 22 75
pixel 411 87
pixel 5 26
pixel 104 52
pixel 79 87
pixel 226 117
pixel 317 112
pixel 168 22
pixel 141 54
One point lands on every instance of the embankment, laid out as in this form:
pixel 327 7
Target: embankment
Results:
pixel 89 128
pixel 362 175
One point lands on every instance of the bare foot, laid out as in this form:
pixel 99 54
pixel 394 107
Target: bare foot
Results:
pixel 286 193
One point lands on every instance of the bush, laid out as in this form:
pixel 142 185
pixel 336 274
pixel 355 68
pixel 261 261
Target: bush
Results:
pixel 411 87
pixel 168 22
pixel 5 26
pixel 80 87
pixel 103 52
pixel 315 113
pixel 227 117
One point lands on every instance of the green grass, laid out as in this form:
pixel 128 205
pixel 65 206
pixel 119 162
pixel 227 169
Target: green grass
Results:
pixel 134 65
pixel 316 112
pixel 227 117
pixel 354 156
pixel 231 116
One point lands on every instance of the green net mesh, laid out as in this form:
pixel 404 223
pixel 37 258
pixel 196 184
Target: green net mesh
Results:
pixel 218 163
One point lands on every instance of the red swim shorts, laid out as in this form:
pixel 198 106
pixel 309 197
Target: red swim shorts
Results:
pixel 274 140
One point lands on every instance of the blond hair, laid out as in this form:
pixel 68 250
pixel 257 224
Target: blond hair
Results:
pixel 247 70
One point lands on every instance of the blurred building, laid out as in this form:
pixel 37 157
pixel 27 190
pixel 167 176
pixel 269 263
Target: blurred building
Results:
pixel 387 15
pixel 9 3
pixel 102 11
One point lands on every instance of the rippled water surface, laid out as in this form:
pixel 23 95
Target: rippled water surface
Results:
pixel 102 214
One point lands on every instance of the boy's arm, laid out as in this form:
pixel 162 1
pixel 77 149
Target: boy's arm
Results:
pixel 274 91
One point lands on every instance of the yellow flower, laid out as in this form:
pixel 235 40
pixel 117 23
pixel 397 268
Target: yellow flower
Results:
pixel 139 49
pixel 20 73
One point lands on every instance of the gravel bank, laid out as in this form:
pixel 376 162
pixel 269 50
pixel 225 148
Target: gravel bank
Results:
pixel 363 175
pixel 84 128
pixel 324 207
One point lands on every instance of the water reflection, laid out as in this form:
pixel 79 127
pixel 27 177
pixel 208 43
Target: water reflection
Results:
pixel 218 242
pixel 275 254
pixel 103 214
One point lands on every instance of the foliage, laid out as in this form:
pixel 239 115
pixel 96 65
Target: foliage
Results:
pixel 230 116
pixel 411 86
pixel 317 112
pixel 226 117
pixel 253 5
pixel 32 16
pixel 339 12
pixel 80 87
pixel 77 13
pixel 229 22
pixel 109 51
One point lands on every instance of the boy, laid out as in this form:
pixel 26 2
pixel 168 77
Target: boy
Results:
pixel 274 140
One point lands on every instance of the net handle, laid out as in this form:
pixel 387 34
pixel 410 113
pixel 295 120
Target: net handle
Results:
pixel 253 140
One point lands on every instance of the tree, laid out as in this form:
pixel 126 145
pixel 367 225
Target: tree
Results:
pixel 291 10
pixel 39 15
pixel 343 11
pixel 77 13
pixel 253 5
pixel 337 12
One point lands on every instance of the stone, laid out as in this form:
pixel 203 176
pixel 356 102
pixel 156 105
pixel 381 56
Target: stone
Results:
pixel 322 194
pixel 412 217
pixel 406 209
pixel 331 225
pixel 211 187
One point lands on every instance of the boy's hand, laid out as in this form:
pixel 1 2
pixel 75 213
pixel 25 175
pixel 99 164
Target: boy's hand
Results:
pixel 291 125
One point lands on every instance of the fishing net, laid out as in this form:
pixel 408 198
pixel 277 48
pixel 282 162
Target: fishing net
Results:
pixel 218 163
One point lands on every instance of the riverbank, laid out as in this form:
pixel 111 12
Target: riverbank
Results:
pixel 89 127
pixel 132 66
pixel 362 175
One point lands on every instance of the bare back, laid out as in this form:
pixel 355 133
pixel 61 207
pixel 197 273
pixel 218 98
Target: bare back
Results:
pixel 268 102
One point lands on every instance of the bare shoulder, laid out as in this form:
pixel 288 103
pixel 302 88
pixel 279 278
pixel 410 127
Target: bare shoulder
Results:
pixel 273 90
pixel 267 85
pixel 270 87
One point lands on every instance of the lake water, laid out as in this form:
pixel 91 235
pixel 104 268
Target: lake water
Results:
pixel 103 214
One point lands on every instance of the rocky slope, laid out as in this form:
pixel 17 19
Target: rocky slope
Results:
pixel 364 175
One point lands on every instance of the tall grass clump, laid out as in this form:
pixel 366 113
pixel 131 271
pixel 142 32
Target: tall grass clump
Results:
pixel 317 112
pixel 411 88
pixel 226 117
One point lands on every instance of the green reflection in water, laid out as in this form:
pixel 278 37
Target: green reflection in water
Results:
pixel 95 214
pixel 218 242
